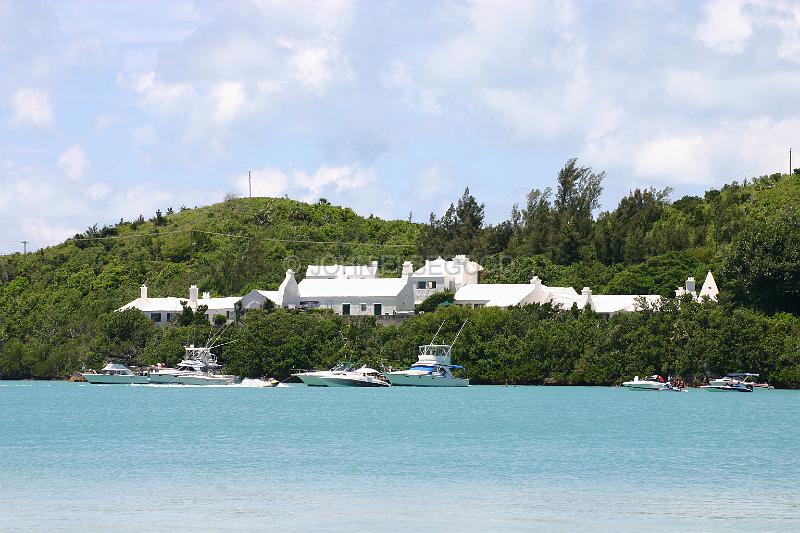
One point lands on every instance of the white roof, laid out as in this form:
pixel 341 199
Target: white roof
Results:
pixel 616 303
pixel 320 288
pixel 275 296
pixel 172 304
pixel 494 294
pixel 154 305
pixel 441 267
pixel 565 297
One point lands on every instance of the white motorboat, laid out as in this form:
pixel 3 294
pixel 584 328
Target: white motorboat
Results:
pixel 432 369
pixel 363 376
pixel 115 373
pixel 316 378
pixel 745 378
pixel 652 383
pixel 729 383
pixel 206 378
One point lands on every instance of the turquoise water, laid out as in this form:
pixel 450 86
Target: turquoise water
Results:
pixel 84 457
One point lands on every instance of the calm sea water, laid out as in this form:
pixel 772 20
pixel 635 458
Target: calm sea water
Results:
pixel 87 457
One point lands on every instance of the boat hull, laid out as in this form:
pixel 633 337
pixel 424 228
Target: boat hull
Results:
pixel 725 388
pixel 106 379
pixel 164 379
pixel 352 382
pixel 311 380
pixel 425 380
pixel 642 385
pixel 206 380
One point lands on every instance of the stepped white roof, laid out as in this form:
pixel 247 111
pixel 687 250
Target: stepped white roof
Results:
pixel 494 294
pixel 343 287
pixel 172 304
pixel 442 267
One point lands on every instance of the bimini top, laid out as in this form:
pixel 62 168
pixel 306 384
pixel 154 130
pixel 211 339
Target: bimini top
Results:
pixel 741 375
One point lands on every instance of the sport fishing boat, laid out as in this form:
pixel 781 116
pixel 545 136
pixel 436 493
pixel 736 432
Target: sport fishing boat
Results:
pixel 743 377
pixel 115 373
pixel 191 364
pixel 210 371
pixel 433 367
pixel 652 383
pixel 363 376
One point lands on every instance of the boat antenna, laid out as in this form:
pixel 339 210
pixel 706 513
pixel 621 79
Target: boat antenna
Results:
pixel 218 335
pixel 437 332
pixel 459 333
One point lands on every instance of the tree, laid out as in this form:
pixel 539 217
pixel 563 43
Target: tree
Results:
pixel 761 267
pixel 432 302
pixel 578 194
pixel 124 334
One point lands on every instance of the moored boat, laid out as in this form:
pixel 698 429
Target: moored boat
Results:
pixel 745 378
pixel 115 374
pixel 363 376
pixel 432 369
pixel 651 383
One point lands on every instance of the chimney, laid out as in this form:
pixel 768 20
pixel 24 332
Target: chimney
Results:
pixel 536 282
pixel 206 295
pixel 143 292
pixel 193 296
pixel 586 291
pixel 375 265
pixel 690 284
pixel 408 269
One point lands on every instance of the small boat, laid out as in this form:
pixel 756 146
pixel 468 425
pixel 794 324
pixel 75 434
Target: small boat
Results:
pixel 363 376
pixel 670 387
pixel 115 373
pixel 433 367
pixel 742 377
pixel 729 383
pixel 315 378
pixel 652 383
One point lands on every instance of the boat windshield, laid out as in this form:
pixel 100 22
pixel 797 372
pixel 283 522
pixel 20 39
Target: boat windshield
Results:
pixel 423 368
pixel 438 350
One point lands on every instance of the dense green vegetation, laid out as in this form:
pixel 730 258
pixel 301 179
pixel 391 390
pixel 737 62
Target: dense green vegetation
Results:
pixel 56 304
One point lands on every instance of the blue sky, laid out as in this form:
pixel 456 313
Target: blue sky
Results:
pixel 111 109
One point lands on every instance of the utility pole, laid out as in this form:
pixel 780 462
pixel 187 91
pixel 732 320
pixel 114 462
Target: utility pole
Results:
pixel 24 247
pixel 250 181
pixel 790 161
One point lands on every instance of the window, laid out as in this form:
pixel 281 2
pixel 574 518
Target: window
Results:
pixel 169 317
pixel 346 309
pixel 376 309
pixel 420 284
pixel 228 315
pixel 431 284
pixel 155 317
pixel 363 308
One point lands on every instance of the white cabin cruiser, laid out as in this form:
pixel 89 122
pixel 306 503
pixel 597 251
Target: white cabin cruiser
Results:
pixel 315 378
pixel 115 373
pixel 432 369
pixel 363 376
pixel 745 378
pixel 207 372
pixel 652 383
pixel 729 383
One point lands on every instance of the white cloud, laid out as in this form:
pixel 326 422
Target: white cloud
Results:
pixel 726 27
pixel 102 121
pixel 229 99
pixel 339 179
pixel 315 68
pixel 43 231
pixel 32 107
pixel 73 162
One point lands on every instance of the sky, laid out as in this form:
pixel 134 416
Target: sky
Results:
pixel 112 109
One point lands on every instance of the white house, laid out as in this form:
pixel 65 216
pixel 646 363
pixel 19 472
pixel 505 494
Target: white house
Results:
pixel 519 294
pixel 163 310
pixel 511 294
pixel 348 297
pixel 287 295
pixel 440 275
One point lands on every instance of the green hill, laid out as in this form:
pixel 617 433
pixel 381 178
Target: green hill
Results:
pixel 56 303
